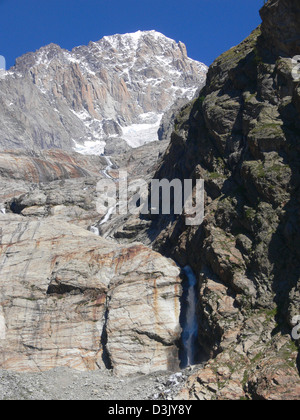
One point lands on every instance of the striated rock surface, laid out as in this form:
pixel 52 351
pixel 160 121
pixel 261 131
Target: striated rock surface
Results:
pixel 50 165
pixel 117 87
pixel 242 137
pixel 67 296
pixel 63 186
pixel 70 298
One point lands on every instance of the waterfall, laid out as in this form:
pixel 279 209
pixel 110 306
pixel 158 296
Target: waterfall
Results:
pixel 111 210
pixel 189 320
pixel 107 216
pixel 108 167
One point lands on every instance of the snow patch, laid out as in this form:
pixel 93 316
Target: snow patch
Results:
pixel 90 147
pixel 137 135
pixel 4 74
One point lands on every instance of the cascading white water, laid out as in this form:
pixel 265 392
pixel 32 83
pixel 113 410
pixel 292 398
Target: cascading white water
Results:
pixel 106 174
pixel 108 167
pixel 189 319
pixel 95 229
pixel 107 216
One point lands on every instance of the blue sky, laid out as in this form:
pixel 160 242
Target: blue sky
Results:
pixel 207 27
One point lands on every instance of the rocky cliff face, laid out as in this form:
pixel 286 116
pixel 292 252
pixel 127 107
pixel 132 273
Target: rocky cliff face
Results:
pixel 50 165
pixel 242 136
pixel 117 87
pixel 70 298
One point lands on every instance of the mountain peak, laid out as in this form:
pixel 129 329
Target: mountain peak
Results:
pixel 135 39
pixel 119 86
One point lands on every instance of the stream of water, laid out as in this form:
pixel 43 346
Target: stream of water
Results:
pixel 189 353
pixel 95 228
pixel 108 167
pixel 189 320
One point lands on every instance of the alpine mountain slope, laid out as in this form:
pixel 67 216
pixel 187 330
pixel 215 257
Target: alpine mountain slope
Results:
pixel 117 87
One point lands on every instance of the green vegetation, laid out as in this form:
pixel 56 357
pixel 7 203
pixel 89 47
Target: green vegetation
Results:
pixel 269 130
pixel 250 213
pixel 241 51
pixel 257 357
pixel 250 97
pixel 215 175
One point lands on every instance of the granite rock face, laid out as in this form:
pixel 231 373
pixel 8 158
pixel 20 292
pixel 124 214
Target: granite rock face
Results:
pixel 280 25
pixel 70 298
pixel 117 87
pixel 242 137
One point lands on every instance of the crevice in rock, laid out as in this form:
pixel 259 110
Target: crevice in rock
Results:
pixel 59 288
pixel 32 347
pixel 155 337
pixel 104 340
pixel 63 289
pixel 16 207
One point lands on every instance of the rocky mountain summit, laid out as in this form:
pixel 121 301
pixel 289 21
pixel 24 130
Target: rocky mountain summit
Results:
pixel 117 87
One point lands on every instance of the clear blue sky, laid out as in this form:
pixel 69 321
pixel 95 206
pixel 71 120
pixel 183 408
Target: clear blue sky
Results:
pixel 207 27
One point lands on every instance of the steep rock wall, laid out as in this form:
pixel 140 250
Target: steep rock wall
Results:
pixel 70 298
pixel 242 137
